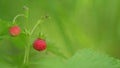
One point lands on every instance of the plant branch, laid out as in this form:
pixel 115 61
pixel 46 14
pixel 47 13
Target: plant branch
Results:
pixel 35 26
pixel 15 18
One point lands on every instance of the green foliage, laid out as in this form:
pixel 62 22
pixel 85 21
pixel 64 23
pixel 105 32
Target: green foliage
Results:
pixel 87 58
pixel 73 25
pixel 84 58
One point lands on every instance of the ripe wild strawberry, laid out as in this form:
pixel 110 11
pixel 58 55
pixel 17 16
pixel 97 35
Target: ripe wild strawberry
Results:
pixel 39 44
pixel 14 30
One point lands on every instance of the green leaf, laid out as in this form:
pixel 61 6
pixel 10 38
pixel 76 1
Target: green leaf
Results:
pixel 85 58
pixel 91 59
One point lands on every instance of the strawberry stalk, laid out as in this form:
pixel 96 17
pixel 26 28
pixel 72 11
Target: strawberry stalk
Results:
pixel 29 35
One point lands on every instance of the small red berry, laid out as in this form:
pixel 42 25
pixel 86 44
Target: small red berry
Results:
pixel 14 30
pixel 39 44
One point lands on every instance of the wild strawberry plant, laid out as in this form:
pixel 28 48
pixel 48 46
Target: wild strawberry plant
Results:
pixel 36 51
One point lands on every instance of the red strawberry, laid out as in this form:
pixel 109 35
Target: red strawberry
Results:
pixel 14 30
pixel 39 44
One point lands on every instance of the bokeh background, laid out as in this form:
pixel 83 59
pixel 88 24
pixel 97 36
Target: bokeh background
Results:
pixel 73 24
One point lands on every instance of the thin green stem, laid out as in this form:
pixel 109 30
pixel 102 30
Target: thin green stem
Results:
pixel 26 59
pixel 15 18
pixel 27 48
pixel 28 42
pixel 35 26
pixel 24 62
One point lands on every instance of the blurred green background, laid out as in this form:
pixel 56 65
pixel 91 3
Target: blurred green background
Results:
pixel 73 24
